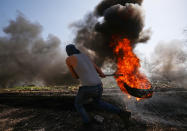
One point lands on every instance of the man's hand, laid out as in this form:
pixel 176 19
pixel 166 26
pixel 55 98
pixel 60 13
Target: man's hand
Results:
pixel 102 75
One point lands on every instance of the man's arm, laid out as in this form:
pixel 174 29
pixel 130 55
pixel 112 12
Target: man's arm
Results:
pixel 99 71
pixel 74 74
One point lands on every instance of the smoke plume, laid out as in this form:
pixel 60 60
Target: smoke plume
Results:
pixel 26 56
pixel 169 62
pixel 122 18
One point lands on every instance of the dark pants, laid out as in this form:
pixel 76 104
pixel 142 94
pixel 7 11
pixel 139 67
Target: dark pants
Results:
pixel 94 92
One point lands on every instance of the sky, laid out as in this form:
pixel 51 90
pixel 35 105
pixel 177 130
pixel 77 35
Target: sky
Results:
pixel 54 15
pixel 166 18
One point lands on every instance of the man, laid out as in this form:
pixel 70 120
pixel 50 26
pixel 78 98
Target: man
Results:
pixel 82 68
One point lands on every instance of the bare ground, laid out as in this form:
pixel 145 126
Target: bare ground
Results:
pixel 54 111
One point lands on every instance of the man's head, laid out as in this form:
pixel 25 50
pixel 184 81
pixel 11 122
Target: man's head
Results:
pixel 71 49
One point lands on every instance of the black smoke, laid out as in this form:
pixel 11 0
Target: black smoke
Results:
pixel 121 18
pixel 125 21
pixel 105 4
pixel 26 56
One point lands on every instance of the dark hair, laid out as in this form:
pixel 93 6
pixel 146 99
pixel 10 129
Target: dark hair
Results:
pixel 71 49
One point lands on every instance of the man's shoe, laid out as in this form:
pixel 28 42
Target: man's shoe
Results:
pixel 98 119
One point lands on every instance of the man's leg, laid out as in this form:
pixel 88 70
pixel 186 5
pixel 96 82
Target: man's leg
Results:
pixel 103 104
pixel 125 115
pixel 79 99
pixel 108 107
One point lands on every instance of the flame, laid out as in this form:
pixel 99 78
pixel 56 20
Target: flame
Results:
pixel 128 64
pixel 138 99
